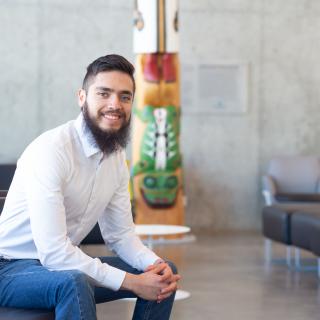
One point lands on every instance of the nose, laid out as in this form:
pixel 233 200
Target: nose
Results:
pixel 114 102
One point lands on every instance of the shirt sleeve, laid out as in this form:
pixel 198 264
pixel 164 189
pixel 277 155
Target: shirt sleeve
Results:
pixel 118 230
pixel 46 172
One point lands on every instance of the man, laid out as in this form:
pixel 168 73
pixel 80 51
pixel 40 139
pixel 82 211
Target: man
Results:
pixel 66 180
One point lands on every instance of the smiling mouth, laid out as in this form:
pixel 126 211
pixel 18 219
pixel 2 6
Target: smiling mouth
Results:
pixel 112 116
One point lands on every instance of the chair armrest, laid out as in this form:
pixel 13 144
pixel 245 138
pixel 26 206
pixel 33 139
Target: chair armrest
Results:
pixel 298 197
pixel 268 189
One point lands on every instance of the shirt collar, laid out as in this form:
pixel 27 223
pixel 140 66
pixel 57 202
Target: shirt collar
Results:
pixel 85 137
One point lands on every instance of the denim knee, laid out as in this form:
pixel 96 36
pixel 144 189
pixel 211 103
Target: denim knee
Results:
pixel 75 298
pixel 77 278
pixel 74 280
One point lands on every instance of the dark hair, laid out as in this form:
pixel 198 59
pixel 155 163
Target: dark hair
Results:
pixel 110 62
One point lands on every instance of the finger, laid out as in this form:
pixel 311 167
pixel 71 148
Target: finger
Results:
pixel 163 266
pixel 158 268
pixel 161 297
pixel 173 278
pixel 152 266
pixel 176 277
pixel 148 268
pixel 166 275
pixel 170 288
pixel 166 267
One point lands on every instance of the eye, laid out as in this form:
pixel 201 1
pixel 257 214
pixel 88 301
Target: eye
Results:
pixel 125 98
pixel 150 182
pixel 103 94
pixel 171 182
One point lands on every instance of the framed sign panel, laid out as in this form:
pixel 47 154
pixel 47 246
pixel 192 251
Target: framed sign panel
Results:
pixel 215 88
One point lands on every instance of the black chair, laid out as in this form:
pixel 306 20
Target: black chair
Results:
pixel 25 314
pixel 6 175
pixel 94 237
pixel 315 241
pixel 303 233
pixel 276 227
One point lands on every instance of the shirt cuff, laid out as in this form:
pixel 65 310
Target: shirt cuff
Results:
pixel 148 258
pixel 114 278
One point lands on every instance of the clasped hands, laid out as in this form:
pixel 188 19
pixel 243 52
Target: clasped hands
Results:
pixel 168 280
pixel 156 283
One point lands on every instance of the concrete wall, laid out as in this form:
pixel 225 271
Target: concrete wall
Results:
pixel 46 45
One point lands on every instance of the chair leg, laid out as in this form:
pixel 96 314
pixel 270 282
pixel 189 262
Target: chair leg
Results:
pixel 297 260
pixel 318 267
pixel 288 256
pixel 267 251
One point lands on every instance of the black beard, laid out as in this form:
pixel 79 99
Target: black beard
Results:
pixel 108 141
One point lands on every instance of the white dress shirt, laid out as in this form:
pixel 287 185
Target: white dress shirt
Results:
pixel 62 186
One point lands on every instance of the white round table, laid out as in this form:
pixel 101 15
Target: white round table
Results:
pixel 151 230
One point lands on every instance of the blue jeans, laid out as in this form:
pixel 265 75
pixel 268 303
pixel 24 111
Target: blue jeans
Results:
pixel 25 283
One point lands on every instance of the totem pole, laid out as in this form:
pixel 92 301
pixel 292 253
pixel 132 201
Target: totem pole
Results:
pixel 156 161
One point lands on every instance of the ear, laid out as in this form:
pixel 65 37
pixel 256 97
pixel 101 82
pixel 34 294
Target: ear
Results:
pixel 81 97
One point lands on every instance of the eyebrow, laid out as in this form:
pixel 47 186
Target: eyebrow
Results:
pixel 105 89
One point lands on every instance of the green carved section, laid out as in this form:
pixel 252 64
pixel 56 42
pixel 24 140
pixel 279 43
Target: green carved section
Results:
pixel 159 155
pixel 159 189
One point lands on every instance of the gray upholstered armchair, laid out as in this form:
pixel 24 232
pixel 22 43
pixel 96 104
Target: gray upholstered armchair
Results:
pixel 292 184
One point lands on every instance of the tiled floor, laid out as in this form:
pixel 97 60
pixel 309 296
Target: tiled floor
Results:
pixel 226 276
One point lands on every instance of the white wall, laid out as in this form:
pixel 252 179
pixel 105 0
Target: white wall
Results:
pixel 46 45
